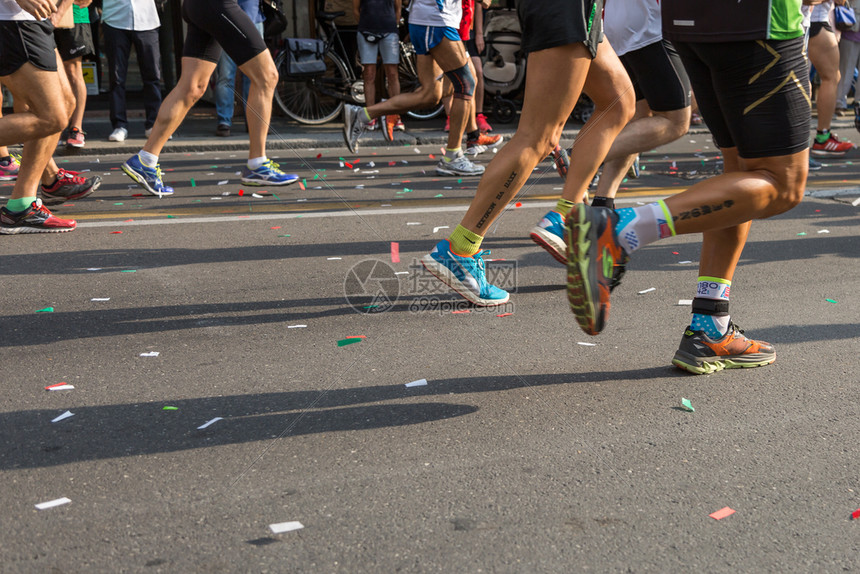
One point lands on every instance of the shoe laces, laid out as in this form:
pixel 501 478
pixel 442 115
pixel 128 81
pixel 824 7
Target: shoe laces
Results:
pixel 479 259
pixel 271 165
pixel 71 178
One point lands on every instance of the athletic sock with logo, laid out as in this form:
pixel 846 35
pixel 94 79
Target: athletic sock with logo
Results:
pixel 639 226
pixel 563 207
pixel 19 205
pixel 711 307
pixel 464 242
pixel 822 136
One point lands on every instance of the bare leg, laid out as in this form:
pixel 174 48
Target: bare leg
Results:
pixel 263 74
pixel 824 55
pixel 393 79
pixel 369 77
pixel 75 75
pixel 428 94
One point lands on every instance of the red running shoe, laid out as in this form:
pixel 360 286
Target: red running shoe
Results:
pixel 69 185
pixel 832 147
pixel 36 219
pixel 483 124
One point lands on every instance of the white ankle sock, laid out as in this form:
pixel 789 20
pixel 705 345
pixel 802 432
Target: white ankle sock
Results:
pixel 257 162
pixel 147 159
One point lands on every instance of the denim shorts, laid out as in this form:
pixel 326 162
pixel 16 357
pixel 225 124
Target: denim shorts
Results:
pixel 425 38
pixel 388 47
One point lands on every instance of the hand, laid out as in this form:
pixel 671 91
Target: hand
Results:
pixel 40 9
pixel 83 3
pixel 486 3
pixel 479 43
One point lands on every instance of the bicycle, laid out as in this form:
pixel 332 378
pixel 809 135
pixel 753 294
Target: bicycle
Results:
pixel 319 99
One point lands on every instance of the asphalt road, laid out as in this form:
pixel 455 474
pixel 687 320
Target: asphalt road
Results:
pixel 526 451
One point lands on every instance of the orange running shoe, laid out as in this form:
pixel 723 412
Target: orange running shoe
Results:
pixel 595 264
pixel 699 354
pixel 388 123
pixel 482 143
pixel 832 147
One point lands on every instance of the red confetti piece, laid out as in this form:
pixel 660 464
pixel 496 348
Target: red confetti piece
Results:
pixel 276 227
pixel 674 253
pixel 432 156
pixel 518 204
pixel 392 163
pixel 721 513
pixel 355 161
pixel 242 216
pixel 817 211
pixel 505 315
pixel 241 192
pixel 347 164
pixel 127 220
pixel 49 387
pixel 395 252
pixel 856 514
pixel 115 232
pixel 357 337
pixel 137 195
pixel 301 186
pixel 319 155
pixel 461 311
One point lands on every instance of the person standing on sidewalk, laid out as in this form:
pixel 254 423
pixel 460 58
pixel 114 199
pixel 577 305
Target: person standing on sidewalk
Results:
pixel 745 63
pixel 849 59
pixel 127 23
pixel 225 85
pixel 433 28
pixel 235 31
pixel 74 44
pixel 377 37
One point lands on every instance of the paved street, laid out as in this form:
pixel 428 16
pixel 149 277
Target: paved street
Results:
pixel 532 448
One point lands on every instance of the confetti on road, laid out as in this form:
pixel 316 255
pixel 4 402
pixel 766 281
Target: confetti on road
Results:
pixel 395 252
pixel 52 503
pixel 687 405
pixel 802 233
pixel 170 408
pixel 418 383
pixel 348 341
pixel 413 223
pixel 333 258
pixel 856 514
pixel 296 326
pixel 60 387
pixel 65 415
pixel 684 302
pixel 257 195
pixel 193 184
pixel 461 311
pixel 648 290
pixel 45 310
pixel 856 202
pixel 831 300
pixel 721 513
pixel 224 182
pixel 586 344
pixel 504 315
pixel 129 271
pixel 684 262
pixel 211 422
pixel 435 229
pixel 286 527
pixel 115 232
pixel 401 272
pixel 823 231
pixel 518 204
pixel 94 268
pixel 150 354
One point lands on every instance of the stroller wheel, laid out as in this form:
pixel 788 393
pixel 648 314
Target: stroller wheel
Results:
pixel 504 111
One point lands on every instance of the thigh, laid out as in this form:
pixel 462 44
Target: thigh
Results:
pixel 550 23
pixel 660 76
pixel 449 54
pixel 40 91
pixel 608 83
pixel 824 52
pixel 26 42
pixel 225 24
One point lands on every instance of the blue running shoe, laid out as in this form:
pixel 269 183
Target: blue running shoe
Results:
pixel 149 178
pixel 465 275
pixel 268 174
pixel 549 234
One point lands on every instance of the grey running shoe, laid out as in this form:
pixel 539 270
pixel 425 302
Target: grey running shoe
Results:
pixel 699 354
pixel 353 126
pixel 460 165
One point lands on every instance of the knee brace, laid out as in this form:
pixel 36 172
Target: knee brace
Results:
pixel 463 82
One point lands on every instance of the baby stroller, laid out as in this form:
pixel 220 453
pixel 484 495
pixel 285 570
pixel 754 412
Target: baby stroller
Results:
pixel 504 63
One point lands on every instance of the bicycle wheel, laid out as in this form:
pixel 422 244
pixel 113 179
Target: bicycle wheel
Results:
pixel 313 100
pixel 409 83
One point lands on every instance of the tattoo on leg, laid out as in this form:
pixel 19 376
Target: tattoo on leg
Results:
pixel 486 215
pixel 510 179
pixel 703 210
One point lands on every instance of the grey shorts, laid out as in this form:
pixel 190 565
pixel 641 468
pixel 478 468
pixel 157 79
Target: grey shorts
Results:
pixel 388 47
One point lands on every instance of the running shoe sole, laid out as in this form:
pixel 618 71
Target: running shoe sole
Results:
pixel 23 230
pixel 826 153
pixel 445 275
pixel 141 181
pixel 350 114
pixel 49 200
pixel 703 366
pixel 551 243
pixel 584 291
pixel 262 182
pixel 443 171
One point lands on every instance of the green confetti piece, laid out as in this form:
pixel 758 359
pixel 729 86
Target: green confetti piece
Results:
pixel 45 310
pixel 304 182
pixel 118 203
pixel 341 159
pixel 438 195
pixel 193 183
pixel 196 200
pixel 831 300
pixel 171 217
pixel 129 271
pixel 370 306
pixel 276 197
pixel 316 176
pixel 170 408
pixel 460 180
pixel 350 341
pixel 687 405
pixel 283 236
pixel 802 233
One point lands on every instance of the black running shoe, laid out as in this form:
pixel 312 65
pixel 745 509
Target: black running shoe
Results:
pixel 36 219
pixel 69 186
pixel 699 354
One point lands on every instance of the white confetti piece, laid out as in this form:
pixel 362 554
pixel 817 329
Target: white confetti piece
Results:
pixel 150 354
pixel 418 383
pixel 371 164
pixel 684 302
pixel 238 173
pixel 257 195
pixel 100 299
pixel 856 202
pixel 94 268
pixel 62 388
pixel 224 182
pixel 684 262
pixel 296 326
pixel 224 193
pixel 286 527
pixel 333 258
pixel 213 198
pixel 300 200
pixel 65 415
pixel 586 344
pixel 823 231
pixel 435 229
pixel 211 173
pixel 385 205
pixel 52 503
pixel 413 223
pixel 211 422
pixel 648 290
pixel 401 272
pixel 416 150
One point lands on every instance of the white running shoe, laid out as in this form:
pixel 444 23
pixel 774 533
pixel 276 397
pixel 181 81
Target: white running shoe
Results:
pixel 460 165
pixel 353 126
pixel 118 135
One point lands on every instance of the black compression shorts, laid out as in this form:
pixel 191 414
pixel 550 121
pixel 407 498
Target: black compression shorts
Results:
pixel 752 94
pixel 26 41
pixel 213 24
pixel 658 76
pixel 74 42
pixel 552 23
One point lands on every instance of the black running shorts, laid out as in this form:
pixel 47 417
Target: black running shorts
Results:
pixel 26 41
pixel 552 23
pixel 472 48
pixel 658 76
pixel 213 24
pixel 74 42
pixel 752 94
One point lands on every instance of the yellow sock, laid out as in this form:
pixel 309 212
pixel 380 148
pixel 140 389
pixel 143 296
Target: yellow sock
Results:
pixel 464 242
pixel 563 206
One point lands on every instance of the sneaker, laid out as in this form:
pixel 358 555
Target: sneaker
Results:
pixel 148 132
pixel 483 125
pixel 387 123
pixel 76 138
pixel 814 165
pixel 149 178
pixel 373 125
pixel 482 143
pixel 561 159
pixel 549 234
pixel 36 219
pixel 832 147
pixel 447 127
pixel 353 127
pixel 222 131
pixel 268 174
pixel 69 185
pixel 701 355
pixel 9 170
pixel 633 172
pixel 118 135
pixel 460 165
pixel 595 264
pixel 465 275
pixel 399 125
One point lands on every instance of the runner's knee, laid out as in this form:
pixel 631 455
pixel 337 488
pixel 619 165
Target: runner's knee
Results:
pixel 463 81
